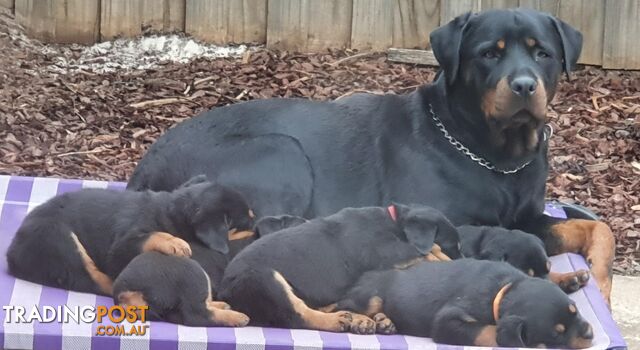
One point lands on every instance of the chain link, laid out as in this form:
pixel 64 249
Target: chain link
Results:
pixel 464 150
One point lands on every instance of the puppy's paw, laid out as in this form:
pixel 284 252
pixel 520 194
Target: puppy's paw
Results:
pixel 228 318
pixel 384 324
pixel 572 281
pixel 219 305
pixel 362 324
pixel 176 246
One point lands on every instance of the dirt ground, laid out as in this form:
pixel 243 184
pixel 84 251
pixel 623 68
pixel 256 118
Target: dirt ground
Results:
pixel 64 119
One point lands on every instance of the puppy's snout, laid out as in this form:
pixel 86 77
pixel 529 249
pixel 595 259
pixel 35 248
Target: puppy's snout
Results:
pixel 523 86
pixel 587 331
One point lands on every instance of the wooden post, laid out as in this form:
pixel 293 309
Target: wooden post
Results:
pixel 130 18
pixel 59 21
pixel 621 32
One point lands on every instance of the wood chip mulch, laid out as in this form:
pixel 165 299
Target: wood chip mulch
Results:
pixel 89 125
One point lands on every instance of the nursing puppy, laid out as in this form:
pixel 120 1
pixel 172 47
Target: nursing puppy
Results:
pixel 282 279
pixel 82 240
pixel 470 302
pixel 522 250
pixel 177 289
pixel 264 226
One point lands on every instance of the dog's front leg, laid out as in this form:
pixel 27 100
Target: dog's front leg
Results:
pixel 452 325
pixel 592 239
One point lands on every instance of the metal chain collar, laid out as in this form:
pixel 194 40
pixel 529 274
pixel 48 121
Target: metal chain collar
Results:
pixel 464 150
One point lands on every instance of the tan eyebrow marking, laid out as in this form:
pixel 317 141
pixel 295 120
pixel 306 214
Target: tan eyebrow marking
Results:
pixel 572 309
pixel 560 328
pixel 501 44
pixel 531 42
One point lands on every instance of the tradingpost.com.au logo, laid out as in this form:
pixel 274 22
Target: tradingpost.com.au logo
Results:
pixel 122 317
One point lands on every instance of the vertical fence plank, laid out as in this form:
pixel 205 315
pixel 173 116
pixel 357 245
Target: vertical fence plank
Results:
pixel 499 4
pixel 8 4
pixel 372 24
pixel 163 15
pixel 129 18
pixel 413 20
pixel 588 17
pixel 329 24
pixel 621 32
pixel 549 6
pixel 450 9
pixel 288 24
pixel 227 21
pixel 68 21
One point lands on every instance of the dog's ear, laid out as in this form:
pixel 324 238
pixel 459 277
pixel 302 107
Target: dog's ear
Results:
pixel 446 42
pixel 511 332
pixel 216 238
pixel 419 235
pixel 571 41
pixel 270 224
pixel 198 179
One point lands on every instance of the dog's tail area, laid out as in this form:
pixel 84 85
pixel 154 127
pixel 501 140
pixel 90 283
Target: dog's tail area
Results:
pixel 52 255
pixel 103 281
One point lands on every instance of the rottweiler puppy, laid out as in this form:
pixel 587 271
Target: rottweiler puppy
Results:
pixel 82 240
pixel 470 302
pixel 475 136
pixel 518 248
pixel 282 279
pixel 177 289
pixel 264 226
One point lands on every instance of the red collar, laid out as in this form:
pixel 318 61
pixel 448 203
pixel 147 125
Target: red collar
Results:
pixel 392 212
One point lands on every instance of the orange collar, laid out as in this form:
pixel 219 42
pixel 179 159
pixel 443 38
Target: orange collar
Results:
pixel 392 212
pixel 498 299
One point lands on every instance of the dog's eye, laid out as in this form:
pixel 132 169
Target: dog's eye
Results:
pixel 490 54
pixel 542 54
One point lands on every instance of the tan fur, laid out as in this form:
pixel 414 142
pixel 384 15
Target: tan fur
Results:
pixel 167 243
pixel 227 318
pixel 501 44
pixel 374 307
pixel 130 298
pixel 593 240
pixel 103 281
pixel 531 42
pixel 233 235
pixel 560 328
pixel 486 337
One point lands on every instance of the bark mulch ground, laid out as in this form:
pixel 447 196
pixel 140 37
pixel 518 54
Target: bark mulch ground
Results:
pixel 84 124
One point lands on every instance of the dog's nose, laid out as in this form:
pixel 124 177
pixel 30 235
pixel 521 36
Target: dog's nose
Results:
pixel 524 86
pixel 587 331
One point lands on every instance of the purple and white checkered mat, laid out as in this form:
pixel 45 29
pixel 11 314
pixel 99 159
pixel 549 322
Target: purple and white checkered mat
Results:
pixel 18 195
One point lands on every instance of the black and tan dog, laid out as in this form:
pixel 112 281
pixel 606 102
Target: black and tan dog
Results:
pixel 282 279
pixel 82 240
pixel 520 249
pixel 177 289
pixel 472 144
pixel 470 302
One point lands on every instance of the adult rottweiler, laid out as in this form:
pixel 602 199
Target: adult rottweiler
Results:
pixel 472 144
pixel 82 240
pixel 467 302
pixel 284 278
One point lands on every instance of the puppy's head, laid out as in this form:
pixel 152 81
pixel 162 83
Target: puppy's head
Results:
pixel 213 213
pixel 506 64
pixel 521 250
pixel 536 313
pixel 423 226
pixel 270 224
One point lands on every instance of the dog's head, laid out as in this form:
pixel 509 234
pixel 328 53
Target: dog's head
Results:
pixel 537 313
pixel 270 224
pixel 423 226
pixel 507 64
pixel 213 213
pixel 519 249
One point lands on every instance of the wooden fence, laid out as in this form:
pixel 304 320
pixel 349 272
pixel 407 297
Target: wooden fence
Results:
pixel 611 27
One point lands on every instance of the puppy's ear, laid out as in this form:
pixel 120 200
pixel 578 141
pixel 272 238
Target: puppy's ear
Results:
pixel 446 42
pixel 571 41
pixel 271 224
pixel 511 332
pixel 216 238
pixel 198 179
pixel 419 235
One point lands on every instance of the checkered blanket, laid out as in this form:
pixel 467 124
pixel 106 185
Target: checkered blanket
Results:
pixel 18 195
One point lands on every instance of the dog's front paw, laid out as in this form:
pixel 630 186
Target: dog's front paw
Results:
pixel 228 318
pixel 168 244
pixel 362 324
pixel 384 324
pixel 571 281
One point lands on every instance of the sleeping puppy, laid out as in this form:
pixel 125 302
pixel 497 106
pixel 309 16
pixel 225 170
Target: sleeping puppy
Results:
pixel 522 250
pixel 470 302
pixel 282 279
pixel 82 240
pixel 264 226
pixel 177 289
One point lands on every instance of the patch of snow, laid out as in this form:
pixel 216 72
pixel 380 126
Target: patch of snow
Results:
pixel 141 53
